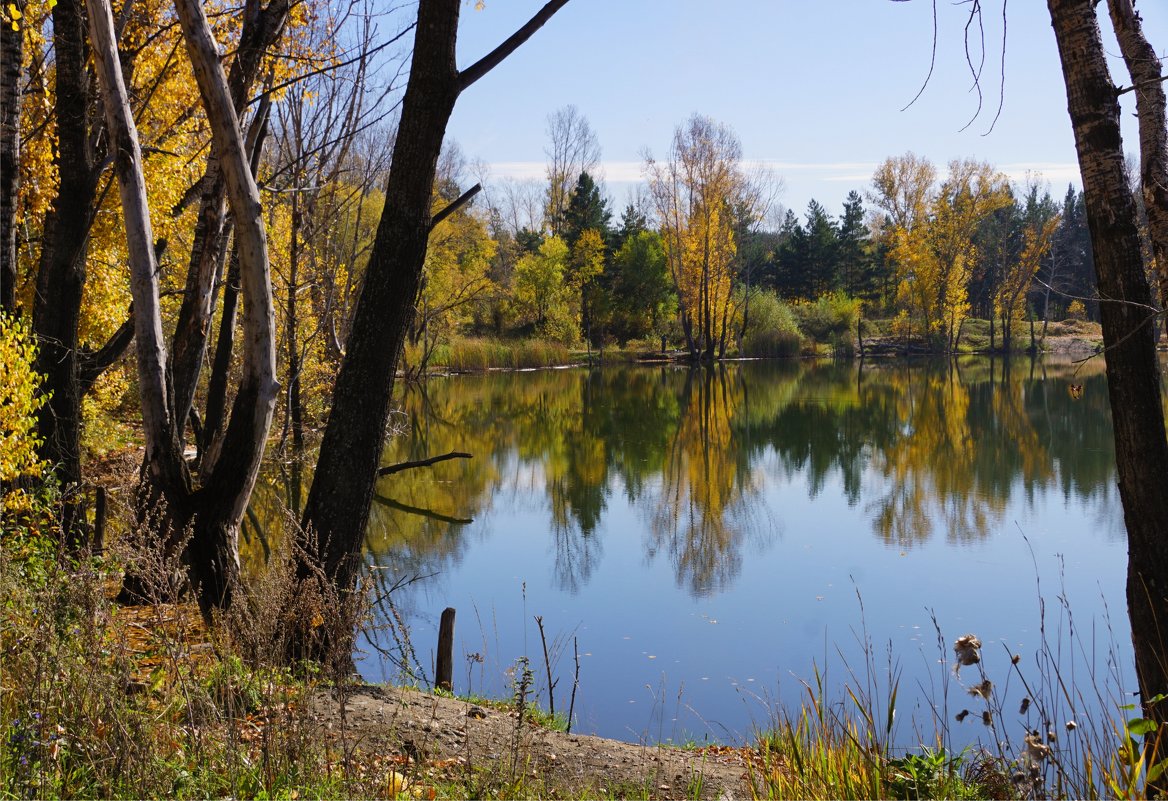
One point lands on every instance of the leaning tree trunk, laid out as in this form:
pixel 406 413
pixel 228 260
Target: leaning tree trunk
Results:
pixel 337 509
pixel 1133 379
pixel 1143 64
pixel 11 56
pixel 164 465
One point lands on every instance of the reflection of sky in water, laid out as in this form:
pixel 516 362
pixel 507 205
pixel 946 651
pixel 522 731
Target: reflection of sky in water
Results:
pixel 666 655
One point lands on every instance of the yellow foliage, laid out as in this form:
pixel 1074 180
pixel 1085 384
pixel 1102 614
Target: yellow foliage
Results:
pixel 19 400
pixel 587 258
pixel 100 433
pixel 934 252
pixel 1036 242
pixel 694 194
pixel 458 259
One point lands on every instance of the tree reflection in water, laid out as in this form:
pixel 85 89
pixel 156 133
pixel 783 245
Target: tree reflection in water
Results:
pixel 926 449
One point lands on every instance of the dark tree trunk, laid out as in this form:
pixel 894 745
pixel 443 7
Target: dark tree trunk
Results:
pixel 1133 379
pixel 216 411
pixel 11 55
pixel 337 508
pixel 294 415
pixel 61 274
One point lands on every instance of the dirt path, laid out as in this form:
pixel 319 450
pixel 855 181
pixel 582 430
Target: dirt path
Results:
pixel 483 748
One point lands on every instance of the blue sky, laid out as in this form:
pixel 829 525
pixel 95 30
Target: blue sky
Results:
pixel 812 87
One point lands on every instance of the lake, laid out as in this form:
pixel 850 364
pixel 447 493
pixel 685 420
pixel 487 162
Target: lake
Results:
pixel 711 539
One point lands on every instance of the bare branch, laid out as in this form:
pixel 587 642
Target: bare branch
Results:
pixel 364 54
pixel 454 206
pixel 1123 90
pixel 491 60
pixel 932 61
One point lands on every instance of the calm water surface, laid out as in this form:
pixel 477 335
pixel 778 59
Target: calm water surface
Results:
pixel 710 538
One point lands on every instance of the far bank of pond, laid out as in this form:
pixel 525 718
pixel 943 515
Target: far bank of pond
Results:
pixel 710 537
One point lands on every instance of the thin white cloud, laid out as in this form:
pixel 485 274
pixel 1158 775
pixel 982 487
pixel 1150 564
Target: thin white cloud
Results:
pixel 858 173
pixel 634 171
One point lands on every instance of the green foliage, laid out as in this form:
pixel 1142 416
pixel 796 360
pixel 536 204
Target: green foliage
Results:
pixel 771 329
pixel 932 773
pixel 641 297
pixel 587 211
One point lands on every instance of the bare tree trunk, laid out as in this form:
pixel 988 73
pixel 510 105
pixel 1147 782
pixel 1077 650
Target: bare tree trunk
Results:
pixel 1143 65
pixel 226 491
pixel 211 441
pixel 261 29
pixel 164 465
pixel 1141 447
pixel 11 56
pixel 337 509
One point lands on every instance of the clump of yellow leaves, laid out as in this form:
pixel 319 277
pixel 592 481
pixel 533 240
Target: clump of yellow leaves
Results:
pixel 19 400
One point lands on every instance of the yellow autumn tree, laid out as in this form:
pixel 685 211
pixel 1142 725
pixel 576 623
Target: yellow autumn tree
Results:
pixel 1040 220
pixel 694 192
pixel 454 278
pixel 542 296
pixel 935 254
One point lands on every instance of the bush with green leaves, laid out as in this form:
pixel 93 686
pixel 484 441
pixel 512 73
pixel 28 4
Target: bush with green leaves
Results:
pixel 831 320
pixel 771 329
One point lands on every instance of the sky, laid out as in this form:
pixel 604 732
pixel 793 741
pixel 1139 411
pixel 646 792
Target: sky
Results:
pixel 815 89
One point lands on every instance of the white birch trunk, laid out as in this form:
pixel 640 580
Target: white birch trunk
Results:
pixel 127 154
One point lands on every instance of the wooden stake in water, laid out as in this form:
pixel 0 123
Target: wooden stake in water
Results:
pixel 444 671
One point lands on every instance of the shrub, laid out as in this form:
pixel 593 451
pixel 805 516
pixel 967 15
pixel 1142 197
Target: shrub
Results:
pixel 772 330
pixel 1076 311
pixel 20 398
pixel 831 319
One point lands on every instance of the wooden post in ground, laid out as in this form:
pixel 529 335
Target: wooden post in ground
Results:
pixel 444 670
pixel 99 511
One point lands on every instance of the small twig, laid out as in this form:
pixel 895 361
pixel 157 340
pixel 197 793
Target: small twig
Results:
pixel 1123 90
pixel 932 60
pixel 575 684
pixel 548 666
pixel 364 54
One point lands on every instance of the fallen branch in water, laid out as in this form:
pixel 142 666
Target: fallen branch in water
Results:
pixel 400 466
